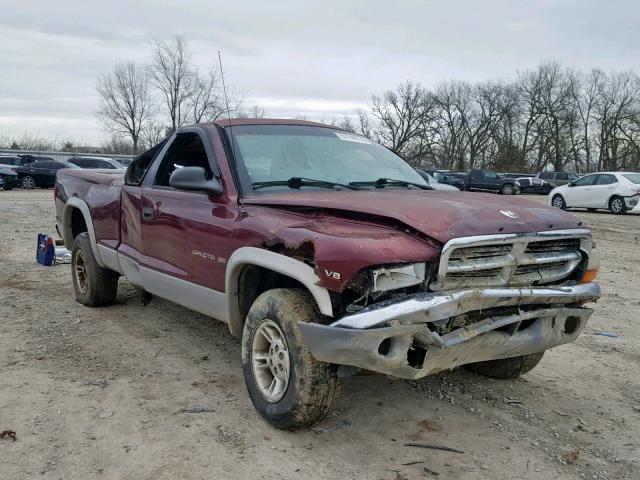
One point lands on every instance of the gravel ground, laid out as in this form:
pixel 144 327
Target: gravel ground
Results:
pixel 108 392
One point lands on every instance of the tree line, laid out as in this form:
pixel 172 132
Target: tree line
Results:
pixel 546 117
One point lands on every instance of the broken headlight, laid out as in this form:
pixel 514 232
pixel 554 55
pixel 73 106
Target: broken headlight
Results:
pixel 392 278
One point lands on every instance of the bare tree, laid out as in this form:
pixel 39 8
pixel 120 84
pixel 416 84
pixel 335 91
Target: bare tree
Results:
pixel 153 133
pixel 401 117
pixel 174 77
pixel 125 106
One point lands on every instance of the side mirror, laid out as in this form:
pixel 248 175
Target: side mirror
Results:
pixel 571 184
pixel 194 179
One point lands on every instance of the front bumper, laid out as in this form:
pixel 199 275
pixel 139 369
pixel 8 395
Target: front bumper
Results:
pixel 399 338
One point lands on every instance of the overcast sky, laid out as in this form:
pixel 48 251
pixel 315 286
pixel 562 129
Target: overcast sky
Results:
pixel 319 59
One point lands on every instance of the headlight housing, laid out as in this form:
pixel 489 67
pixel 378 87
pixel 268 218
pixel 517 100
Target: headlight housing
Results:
pixel 395 277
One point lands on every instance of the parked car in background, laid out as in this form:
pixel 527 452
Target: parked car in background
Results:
pixel 11 161
pixel 29 158
pixel 615 191
pixel 124 161
pixel 556 179
pixel 529 183
pixel 96 162
pixel 8 178
pixel 445 178
pixel 489 181
pixel 40 174
pixel 435 184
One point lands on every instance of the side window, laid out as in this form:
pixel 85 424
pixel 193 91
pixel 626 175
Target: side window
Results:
pixel 545 175
pixel 490 174
pixel 187 150
pixel 585 181
pixel 475 174
pixel 605 180
pixel 102 164
pixel 562 176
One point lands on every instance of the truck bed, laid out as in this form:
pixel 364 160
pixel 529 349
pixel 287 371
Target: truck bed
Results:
pixel 101 190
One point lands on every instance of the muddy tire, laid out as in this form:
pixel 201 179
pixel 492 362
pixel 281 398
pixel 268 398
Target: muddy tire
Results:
pixel 287 385
pixel 617 206
pixel 507 368
pixel 94 286
pixel 558 202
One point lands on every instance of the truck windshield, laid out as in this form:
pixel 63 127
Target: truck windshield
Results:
pixel 277 153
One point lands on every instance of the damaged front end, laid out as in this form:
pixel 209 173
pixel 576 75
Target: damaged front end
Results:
pixel 492 297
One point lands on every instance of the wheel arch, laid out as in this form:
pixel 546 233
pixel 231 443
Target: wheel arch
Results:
pixel 264 261
pixel 76 219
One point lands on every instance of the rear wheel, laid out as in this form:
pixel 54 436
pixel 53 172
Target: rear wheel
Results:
pixel 287 385
pixel 508 189
pixel 617 205
pixel 507 368
pixel 94 286
pixel 558 202
pixel 28 182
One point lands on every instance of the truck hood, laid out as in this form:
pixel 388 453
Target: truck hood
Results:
pixel 437 214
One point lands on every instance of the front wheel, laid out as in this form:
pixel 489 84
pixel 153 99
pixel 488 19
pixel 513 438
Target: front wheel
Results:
pixel 559 202
pixel 617 206
pixel 287 385
pixel 507 368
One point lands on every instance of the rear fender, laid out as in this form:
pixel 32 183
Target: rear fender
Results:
pixel 67 231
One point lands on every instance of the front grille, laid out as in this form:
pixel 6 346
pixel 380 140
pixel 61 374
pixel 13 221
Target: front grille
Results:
pixel 510 260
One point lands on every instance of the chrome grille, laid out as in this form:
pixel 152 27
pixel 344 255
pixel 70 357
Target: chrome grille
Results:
pixel 511 260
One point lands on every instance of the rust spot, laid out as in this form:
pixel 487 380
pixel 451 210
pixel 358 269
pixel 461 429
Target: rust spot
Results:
pixel 303 251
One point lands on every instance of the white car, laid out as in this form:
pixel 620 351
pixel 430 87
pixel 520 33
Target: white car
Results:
pixel 618 192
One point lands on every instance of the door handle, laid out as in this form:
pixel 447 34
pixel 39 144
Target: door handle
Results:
pixel 148 213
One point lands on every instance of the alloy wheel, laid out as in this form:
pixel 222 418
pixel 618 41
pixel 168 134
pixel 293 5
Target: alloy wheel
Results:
pixel 28 182
pixel 270 362
pixel 80 271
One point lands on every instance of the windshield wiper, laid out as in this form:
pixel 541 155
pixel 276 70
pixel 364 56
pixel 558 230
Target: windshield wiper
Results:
pixel 297 182
pixel 383 182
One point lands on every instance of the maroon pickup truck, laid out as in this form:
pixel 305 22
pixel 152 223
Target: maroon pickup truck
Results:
pixel 327 254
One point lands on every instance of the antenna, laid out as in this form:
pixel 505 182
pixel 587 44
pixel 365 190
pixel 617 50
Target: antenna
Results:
pixel 226 102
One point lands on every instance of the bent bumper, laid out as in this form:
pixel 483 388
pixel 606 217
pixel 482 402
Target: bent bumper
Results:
pixel 399 338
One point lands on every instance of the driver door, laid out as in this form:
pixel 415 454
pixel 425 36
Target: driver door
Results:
pixel 186 236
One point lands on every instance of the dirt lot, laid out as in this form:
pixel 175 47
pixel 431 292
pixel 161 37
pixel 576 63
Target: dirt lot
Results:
pixel 106 393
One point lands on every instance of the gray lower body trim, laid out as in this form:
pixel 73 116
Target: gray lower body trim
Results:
pixel 109 258
pixel 195 297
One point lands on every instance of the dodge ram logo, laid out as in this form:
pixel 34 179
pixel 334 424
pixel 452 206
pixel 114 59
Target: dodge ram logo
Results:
pixel 509 213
